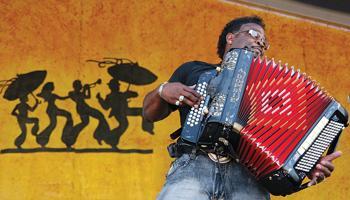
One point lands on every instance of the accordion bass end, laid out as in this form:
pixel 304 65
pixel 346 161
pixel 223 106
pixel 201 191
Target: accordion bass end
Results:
pixel 278 120
pixel 287 178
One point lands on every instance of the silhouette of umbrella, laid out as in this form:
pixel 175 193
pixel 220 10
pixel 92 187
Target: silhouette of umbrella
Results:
pixel 130 72
pixel 24 84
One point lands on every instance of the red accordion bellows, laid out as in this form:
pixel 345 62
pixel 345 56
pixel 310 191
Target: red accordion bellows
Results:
pixel 279 105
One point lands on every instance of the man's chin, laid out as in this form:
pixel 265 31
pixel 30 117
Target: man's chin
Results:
pixel 256 52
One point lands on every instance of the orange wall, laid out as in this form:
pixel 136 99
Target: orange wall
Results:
pixel 59 36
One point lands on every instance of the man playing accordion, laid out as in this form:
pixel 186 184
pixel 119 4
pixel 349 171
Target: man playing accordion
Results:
pixel 194 175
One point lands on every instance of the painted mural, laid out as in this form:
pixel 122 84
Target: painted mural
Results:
pixel 74 74
pixel 23 86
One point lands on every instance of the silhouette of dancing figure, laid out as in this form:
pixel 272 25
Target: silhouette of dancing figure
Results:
pixel 118 103
pixel 78 95
pixel 21 112
pixel 53 112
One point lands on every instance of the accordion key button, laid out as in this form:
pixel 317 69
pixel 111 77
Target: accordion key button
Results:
pixel 205 110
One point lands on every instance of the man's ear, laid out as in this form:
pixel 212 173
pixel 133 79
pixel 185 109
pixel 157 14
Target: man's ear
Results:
pixel 229 38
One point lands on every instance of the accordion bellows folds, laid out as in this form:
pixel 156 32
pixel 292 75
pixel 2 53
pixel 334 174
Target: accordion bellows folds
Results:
pixel 280 106
pixel 284 120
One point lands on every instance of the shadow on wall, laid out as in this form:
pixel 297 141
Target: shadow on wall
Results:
pixel 23 86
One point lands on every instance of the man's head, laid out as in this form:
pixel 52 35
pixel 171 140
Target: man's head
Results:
pixel 114 85
pixel 77 85
pixel 23 99
pixel 245 32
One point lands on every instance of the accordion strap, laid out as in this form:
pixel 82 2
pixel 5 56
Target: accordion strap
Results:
pixel 176 134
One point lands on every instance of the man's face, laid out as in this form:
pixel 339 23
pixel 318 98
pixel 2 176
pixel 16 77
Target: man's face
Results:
pixel 250 36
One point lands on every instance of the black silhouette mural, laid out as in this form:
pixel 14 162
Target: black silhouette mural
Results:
pixel 53 112
pixel 118 103
pixel 23 86
pixel 78 95
pixel 125 70
pixel 19 88
pixel 21 112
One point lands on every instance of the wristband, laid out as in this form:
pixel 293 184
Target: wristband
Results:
pixel 160 89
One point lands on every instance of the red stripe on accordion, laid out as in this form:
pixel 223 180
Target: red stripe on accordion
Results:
pixel 279 105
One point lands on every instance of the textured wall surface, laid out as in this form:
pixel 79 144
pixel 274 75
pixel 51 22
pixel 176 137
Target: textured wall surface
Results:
pixel 59 36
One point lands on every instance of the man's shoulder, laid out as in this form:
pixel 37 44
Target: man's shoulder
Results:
pixel 190 71
pixel 197 63
pixel 195 66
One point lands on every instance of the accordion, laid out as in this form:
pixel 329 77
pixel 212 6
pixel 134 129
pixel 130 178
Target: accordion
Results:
pixel 278 121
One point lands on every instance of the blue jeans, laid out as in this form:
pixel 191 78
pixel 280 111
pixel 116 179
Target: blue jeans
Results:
pixel 199 178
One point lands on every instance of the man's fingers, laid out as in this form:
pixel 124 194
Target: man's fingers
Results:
pixel 190 103
pixel 192 91
pixel 313 181
pixel 324 170
pixel 190 97
pixel 332 156
pixel 317 178
pixel 328 164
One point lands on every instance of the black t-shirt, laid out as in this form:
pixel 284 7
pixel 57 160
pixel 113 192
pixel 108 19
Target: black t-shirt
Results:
pixel 188 74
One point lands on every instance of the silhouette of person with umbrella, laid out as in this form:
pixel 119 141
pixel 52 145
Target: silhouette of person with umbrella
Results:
pixel 78 95
pixel 21 112
pixel 125 70
pixel 19 88
pixel 53 112
pixel 118 103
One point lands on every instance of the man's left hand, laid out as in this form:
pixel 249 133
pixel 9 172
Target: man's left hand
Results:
pixel 323 169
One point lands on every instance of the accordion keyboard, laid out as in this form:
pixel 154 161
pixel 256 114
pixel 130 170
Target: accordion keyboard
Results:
pixel 192 128
pixel 195 115
pixel 319 146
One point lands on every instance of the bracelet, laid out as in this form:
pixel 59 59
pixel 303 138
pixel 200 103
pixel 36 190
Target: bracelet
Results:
pixel 160 89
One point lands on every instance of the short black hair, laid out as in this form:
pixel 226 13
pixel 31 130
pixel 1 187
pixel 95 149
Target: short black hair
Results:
pixel 234 26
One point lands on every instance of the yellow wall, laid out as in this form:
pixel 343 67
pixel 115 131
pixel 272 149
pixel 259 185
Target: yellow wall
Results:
pixel 59 36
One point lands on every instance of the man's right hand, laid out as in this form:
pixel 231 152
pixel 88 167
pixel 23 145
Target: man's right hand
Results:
pixel 172 91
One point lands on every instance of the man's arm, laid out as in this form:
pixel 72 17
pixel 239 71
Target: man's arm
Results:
pixel 14 111
pixel 35 105
pixel 157 106
pixel 103 102
pixel 60 97
pixel 154 107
